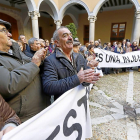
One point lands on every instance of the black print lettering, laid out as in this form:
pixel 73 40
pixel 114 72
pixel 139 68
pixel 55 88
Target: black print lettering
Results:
pixel 126 59
pixel 135 58
pixel 83 100
pixel 75 127
pixel 100 57
pixel 54 133
pixel 110 58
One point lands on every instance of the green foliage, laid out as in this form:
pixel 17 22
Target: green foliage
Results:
pixel 73 29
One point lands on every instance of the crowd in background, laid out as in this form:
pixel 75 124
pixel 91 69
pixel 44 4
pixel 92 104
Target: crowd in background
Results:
pixel 86 50
pixel 117 47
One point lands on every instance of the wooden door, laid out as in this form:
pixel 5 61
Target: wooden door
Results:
pixel 14 28
pixel 86 34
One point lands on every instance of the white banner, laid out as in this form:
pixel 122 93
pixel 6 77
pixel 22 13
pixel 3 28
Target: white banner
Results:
pixel 68 118
pixel 115 60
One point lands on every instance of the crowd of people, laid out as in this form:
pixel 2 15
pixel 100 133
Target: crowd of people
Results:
pixel 117 47
pixel 32 72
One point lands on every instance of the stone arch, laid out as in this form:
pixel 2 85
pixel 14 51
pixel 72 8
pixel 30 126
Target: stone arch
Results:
pixel 101 2
pixel 53 6
pixel 70 3
pixel 73 18
pixel 31 5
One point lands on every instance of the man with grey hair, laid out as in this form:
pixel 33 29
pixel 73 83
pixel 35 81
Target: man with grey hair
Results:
pixel 34 45
pixel 23 40
pixel 64 69
pixel 96 45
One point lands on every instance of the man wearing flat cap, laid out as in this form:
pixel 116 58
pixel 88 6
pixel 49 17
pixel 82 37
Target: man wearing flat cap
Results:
pixel 20 83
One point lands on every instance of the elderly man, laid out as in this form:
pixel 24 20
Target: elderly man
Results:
pixel 34 45
pixel 20 83
pixel 96 45
pixel 23 40
pixel 8 118
pixel 64 70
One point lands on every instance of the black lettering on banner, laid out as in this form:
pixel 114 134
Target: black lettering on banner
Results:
pixel 101 57
pixel 83 100
pixel 107 58
pixel 135 59
pixel 126 59
pixel 111 58
pixel 54 133
pixel 75 127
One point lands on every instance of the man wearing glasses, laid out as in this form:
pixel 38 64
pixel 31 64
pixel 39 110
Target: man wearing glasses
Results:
pixel 20 83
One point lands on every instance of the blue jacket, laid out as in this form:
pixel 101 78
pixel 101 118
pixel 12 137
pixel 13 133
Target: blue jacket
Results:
pixel 117 51
pixel 59 75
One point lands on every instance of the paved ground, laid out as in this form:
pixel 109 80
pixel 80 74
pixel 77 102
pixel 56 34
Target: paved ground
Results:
pixel 115 107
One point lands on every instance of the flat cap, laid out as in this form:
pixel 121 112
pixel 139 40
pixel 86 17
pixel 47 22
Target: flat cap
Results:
pixel 5 23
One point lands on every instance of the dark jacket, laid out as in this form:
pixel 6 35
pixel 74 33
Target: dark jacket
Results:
pixel 59 75
pixel 7 115
pixel 29 53
pixel 134 48
pixel 20 84
pixel 116 50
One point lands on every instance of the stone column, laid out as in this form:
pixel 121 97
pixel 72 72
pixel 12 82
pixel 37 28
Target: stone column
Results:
pixel 92 20
pixel 136 32
pixel 58 23
pixel 35 29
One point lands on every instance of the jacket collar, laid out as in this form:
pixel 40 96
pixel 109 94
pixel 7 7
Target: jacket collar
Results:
pixel 65 60
pixel 15 49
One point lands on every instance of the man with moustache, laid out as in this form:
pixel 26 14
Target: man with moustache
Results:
pixel 64 69
pixel 20 83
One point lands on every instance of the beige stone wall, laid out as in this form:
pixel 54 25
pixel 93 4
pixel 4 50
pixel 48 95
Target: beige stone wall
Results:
pixel 83 20
pixel 28 30
pixel 48 26
pixel 91 4
pixel 105 19
pixel 59 3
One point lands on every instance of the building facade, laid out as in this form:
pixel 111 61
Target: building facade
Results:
pixel 108 20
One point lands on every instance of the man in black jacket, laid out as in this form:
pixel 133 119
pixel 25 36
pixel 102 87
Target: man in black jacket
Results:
pixel 64 69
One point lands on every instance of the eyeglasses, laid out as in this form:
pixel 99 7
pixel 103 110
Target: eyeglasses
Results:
pixel 4 30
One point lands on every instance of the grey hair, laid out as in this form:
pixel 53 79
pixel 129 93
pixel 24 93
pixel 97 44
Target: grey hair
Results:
pixel 96 41
pixel 55 34
pixel 128 43
pixel 31 40
pixel 19 38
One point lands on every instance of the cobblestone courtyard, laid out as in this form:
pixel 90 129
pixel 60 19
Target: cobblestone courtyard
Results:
pixel 115 107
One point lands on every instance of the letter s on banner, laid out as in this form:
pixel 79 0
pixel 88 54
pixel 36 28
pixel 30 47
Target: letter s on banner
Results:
pixel 68 131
